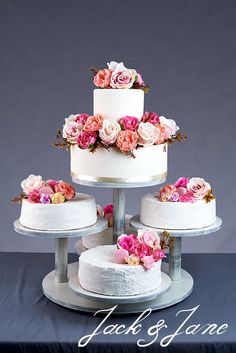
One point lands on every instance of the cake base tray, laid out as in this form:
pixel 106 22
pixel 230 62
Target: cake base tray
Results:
pixel 79 290
pixel 62 294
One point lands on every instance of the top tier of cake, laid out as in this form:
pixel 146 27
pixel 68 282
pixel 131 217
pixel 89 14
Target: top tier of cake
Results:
pixel 116 103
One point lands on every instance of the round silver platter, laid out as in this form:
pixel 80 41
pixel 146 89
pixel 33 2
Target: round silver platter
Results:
pixel 136 224
pixel 62 294
pixel 74 284
pixel 99 226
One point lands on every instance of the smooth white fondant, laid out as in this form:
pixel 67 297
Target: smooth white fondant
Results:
pixel 99 274
pixel 115 103
pixel 77 213
pixel 149 162
pixel 105 237
pixel 176 215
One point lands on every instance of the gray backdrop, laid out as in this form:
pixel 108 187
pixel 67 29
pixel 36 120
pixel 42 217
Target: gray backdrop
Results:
pixel 185 50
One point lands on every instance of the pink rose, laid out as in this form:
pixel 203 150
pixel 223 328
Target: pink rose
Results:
pixel 169 125
pixel 123 79
pixel 187 197
pixel 51 183
pixel 108 209
pixel 93 123
pixel 86 139
pixel 127 141
pixel 46 190
pixel 148 262
pixel 66 189
pixel 199 187
pixel 148 237
pixel 129 123
pixel 166 192
pixel 158 254
pixel 120 255
pixel 81 118
pixel 109 131
pixel 126 241
pixel 182 182
pixel 71 131
pixel 150 117
pixel 102 78
pixel 143 250
pixel 34 197
pixel 148 134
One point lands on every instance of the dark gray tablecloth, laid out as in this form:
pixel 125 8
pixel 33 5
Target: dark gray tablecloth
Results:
pixel 29 322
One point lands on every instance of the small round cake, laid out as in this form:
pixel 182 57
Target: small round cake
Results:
pixel 187 206
pixel 76 213
pixel 98 273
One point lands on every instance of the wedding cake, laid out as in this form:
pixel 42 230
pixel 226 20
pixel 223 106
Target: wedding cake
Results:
pixel 54 205
pixel 133 268
pixel 129 146
pixel 187 204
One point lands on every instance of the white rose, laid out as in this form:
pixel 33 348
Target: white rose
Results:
pixel 70 118
pixel 199 187
pixel 114 66
pixel 109 131
pixel 33 182
pixel 71 130
pixel 148 134
pixel 169 125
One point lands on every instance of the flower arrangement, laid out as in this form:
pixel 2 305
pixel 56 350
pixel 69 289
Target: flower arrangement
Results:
pixel 145 248
pixel 36 190
pixel 126 135
pixel 106 212
pixel 186 190
pixel 118 76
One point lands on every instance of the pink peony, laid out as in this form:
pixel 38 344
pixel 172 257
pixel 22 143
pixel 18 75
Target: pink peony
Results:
pixel 93 123
pixel 148 262
pixel 34 197
pixel 127 141
pixel 46 190
pixel 81 118
pixel 166 192
pixel 66 189
pixel 129 123
pixel 120 255
pixel 123 79
pixel 187 197
pixel 182 182
pixel 102 78
pixel 199 187
pixel 51 183
pixel 150 117
pixel 86 139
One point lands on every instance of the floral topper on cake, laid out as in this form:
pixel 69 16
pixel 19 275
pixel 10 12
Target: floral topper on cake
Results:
pixel 145 248
pixel 186 190
pixel 118 76
pixel 36 190
pixel 106 212
pixel 126 135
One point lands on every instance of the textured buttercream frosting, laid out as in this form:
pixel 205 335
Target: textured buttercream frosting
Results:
pixel 98 273
pixel 176 215
pixel 78 212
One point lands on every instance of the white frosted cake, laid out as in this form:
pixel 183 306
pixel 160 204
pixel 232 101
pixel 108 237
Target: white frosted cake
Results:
pixel 99 273
pixel 119 143
pixel 131 267
pixel 54 205
pixel 187 204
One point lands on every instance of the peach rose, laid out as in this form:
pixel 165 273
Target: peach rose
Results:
pixel 127 141
pixel 102 78
pixel 93 123
pixel 161 137
pixel 66 189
